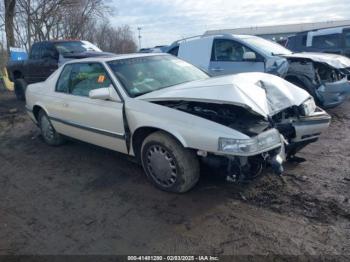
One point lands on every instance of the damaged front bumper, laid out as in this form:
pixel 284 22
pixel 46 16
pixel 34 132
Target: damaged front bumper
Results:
pixel 333 94
pixel 306 130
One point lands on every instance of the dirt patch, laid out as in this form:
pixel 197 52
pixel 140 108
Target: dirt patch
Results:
pixel 80 199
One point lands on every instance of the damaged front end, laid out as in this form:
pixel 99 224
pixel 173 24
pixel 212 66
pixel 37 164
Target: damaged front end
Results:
pixel 329 85
pixel 333 84
pixel 273 139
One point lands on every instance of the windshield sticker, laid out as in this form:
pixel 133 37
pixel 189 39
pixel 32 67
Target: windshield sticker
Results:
pixel 101 79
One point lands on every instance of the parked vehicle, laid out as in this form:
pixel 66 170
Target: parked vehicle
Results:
pixel 324 76
pixel 156 49
pixel 334 40
pixel 170 115
pixel 44 58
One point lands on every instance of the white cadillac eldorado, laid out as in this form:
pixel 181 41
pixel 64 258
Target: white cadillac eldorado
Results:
pixel 171 116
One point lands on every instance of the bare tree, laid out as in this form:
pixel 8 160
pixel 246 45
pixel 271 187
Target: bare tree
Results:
pixel 113 39
pixel 9 22
pixel 39 20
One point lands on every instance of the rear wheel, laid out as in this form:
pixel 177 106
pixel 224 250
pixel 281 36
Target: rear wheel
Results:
pixel 20 89
pixel 168 165
pixel 48 132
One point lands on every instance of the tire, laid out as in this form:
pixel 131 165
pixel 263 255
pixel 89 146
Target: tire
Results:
pixel 48 132
pixel 168 165
pixel 20 89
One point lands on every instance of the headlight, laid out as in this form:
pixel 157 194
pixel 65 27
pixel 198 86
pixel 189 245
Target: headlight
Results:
pixel 266 140
pixel 308 107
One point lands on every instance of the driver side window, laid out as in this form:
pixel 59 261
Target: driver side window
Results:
pixel 85 77
pixel 79 79
pixel 228 50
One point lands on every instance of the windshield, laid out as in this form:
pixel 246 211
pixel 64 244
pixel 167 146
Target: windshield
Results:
pixel 266 46
pixel 146 74
pixel 73 47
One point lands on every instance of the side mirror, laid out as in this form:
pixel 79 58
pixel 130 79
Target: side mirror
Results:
pixel 100 93
pixel 249 56
pixel 106 93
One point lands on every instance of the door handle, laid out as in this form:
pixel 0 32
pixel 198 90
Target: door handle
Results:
pixel 217 69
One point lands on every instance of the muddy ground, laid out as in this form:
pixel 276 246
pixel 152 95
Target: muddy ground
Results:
pixel 80 199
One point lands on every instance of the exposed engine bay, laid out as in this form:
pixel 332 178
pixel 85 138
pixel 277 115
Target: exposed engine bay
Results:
pixel 239 118
pixel 232 116
pixel 251 124
pixel 316 71
pixel 329 85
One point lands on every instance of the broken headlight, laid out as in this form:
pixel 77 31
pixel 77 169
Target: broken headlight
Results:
pixel 267 140
pixel 308 107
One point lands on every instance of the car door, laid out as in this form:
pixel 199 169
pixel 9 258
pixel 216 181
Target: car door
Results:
pixel 228 58
pixel 75 114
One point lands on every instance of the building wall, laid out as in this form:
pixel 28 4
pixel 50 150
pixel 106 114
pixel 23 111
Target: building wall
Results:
pixel 278 31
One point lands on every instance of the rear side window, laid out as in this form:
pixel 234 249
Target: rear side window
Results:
pixel 49 51
pixel 63 82
pixel 35 52
pixel 85 77
pixel 228 50
pixel 326 41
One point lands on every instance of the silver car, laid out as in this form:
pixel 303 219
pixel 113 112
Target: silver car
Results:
pixel 324 76
pixel 171 116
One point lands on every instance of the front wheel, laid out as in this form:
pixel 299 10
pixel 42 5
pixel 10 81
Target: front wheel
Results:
pixel 48 132
pixel 169 165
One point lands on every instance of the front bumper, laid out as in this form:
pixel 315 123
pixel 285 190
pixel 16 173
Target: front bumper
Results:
pixel 304 130
pixel 333 94
pixel 310 127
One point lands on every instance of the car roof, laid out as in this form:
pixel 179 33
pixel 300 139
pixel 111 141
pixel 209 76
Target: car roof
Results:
pixel 115 57
pixel 225 35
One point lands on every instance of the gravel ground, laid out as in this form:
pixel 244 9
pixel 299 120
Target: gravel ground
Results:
pixel 80 199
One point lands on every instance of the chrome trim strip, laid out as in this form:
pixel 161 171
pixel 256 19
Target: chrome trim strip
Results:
pixel 91 129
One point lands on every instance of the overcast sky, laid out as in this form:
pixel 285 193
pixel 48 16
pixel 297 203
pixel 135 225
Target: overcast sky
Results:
pixel 165 21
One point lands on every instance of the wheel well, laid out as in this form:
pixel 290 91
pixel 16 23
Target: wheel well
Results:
pixel 17 75
pixel 36 110
pixel 139 136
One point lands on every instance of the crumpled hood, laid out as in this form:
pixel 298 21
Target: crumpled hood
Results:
pixel 262 93
pixel 334 60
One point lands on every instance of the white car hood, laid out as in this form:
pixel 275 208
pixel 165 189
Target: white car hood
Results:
pixel 334 60
pixel 262 93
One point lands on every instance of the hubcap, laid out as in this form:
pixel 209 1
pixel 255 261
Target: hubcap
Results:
pixel 47 129
pixel 161 165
